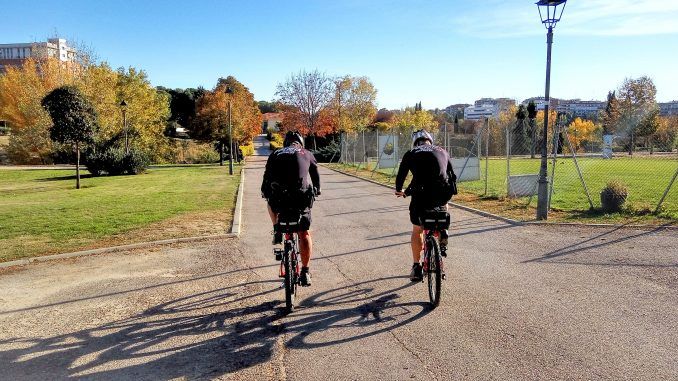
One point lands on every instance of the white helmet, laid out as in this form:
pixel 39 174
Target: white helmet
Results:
pixel 421 135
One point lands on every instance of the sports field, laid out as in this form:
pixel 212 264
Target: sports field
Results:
pixel 646 177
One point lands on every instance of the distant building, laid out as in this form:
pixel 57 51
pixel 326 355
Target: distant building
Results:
pixel 488 108
pixel 477 112
pixel 577 107
pixel 272 120
pixel 16 54
pixel 540 102
pixel 668 108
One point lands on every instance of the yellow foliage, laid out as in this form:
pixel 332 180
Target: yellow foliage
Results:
pixel 22 89
pixel 581 131
pixel 248 149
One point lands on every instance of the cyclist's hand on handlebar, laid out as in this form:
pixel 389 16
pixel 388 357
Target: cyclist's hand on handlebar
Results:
pixel 400 194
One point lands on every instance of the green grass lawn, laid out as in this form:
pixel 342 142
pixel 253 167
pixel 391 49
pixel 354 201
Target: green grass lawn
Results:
pixel 647 179
pixel 41 212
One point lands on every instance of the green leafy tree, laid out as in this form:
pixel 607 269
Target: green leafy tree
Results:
pixel 531 115
pixel 610 115
pixel 637 99
pixel 74 120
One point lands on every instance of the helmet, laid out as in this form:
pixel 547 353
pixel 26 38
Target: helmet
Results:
pixel 420 135
pixel 291 137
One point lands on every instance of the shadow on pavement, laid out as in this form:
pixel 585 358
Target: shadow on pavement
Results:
pixel 588 244
pixel 209 334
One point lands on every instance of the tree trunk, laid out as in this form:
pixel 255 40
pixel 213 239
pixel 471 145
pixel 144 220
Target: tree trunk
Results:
pixel 315 148
pixel 77 165
pixel 221 153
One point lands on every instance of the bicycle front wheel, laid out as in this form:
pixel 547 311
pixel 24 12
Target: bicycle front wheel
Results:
pixel 290 281
pixel 434 273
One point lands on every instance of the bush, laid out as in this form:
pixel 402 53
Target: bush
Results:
pixel 328 153
pixel 613 196
pixel 114 162
pixel 247 150
pixel 276 141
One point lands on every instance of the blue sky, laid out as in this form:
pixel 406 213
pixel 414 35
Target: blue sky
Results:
pixel 436 52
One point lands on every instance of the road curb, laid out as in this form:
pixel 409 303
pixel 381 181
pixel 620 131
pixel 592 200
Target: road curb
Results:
pixel 462 207
pixel 237 213
pixel 112 249
pixel 235 233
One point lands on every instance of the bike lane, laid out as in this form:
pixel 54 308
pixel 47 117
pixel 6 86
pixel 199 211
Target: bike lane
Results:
pixel 507 310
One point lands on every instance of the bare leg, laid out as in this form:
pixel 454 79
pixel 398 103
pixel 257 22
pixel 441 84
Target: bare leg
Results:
pixel 417 243
pixel 306 247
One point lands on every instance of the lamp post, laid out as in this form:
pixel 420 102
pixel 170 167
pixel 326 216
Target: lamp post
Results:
pixel 123 108
pixel 229 92
pixel 552 11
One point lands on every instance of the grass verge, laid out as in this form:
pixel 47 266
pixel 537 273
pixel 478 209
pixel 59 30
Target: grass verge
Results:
pixel 42 213
pixel 518 209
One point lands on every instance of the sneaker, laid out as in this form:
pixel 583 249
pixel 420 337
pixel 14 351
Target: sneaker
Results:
pixel 277 238
pixel 305 277
pixel 417 274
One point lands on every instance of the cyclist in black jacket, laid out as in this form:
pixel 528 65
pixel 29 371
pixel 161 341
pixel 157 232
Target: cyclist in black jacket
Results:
pixel 432 186
pixel 286 185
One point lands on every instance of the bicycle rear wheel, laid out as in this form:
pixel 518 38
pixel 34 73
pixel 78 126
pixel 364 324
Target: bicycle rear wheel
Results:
pixel 434 273
pixel 290 279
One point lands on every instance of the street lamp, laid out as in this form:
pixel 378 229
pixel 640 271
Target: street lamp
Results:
pixel 229 91
pixel 123 107
pixel 550 12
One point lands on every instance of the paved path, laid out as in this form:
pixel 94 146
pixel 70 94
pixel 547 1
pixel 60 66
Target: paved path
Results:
pixel 528 302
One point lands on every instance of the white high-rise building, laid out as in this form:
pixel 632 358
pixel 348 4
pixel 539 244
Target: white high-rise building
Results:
pixel 16 54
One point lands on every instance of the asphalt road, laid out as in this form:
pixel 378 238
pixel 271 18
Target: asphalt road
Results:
pixel 520 302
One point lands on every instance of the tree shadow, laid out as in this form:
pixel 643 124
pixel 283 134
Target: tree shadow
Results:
pixel 70 177
pixel 209 334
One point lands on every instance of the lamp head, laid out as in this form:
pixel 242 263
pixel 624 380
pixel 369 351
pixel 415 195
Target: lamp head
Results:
pixel 552 11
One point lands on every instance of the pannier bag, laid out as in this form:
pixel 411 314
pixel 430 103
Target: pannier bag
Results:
pixel 435 220
pixel 289 221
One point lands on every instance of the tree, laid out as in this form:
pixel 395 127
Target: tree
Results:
pixel 308 93
pixel 581 131
pixel 521 134
pixel 610 115
pixel 648 126
pixel 666 136
pixel 637 98
pixel 211 120
pixel 266 107
pixel 74 120
pixel 531 115
pixel 411 119
pixel 354 103
pixel 21 91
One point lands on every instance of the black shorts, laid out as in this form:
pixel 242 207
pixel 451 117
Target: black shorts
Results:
pixel 305 215
pixel 417 210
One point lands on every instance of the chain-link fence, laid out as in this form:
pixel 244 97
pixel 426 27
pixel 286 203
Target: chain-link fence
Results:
pixel 500 161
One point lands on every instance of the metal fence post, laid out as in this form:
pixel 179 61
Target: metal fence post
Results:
pixel 666 192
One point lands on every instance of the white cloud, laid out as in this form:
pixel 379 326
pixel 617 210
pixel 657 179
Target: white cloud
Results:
pixel 591 17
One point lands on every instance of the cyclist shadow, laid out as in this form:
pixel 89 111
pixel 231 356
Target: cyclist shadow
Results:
pixel 208 334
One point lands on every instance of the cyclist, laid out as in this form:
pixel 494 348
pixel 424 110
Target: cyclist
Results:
pixel 286 185
pixel 432 186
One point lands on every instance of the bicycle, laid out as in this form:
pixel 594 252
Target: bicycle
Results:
pixel 289 223
pixel 433 222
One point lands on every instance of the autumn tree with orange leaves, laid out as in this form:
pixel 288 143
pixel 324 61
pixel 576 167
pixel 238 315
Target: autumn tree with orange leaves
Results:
pixel 211 120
